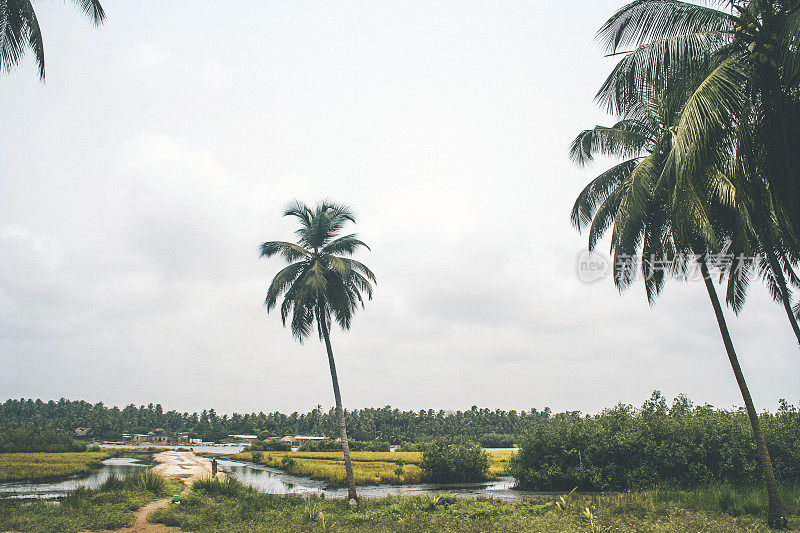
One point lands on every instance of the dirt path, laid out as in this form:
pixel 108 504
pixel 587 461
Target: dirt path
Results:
pixel 185 466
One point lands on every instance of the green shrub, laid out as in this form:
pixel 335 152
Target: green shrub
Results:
pixel 326 445
pixel 625 448
pixel 228 486
pixel 269 446
pixel 147 480
pixel 447 462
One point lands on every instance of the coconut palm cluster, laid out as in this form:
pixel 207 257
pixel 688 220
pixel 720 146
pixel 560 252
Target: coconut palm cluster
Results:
pixel 707 104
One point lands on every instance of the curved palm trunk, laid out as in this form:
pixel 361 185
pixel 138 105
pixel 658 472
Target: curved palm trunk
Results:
pixel 775 516
pixel 787 304
pixel 348 466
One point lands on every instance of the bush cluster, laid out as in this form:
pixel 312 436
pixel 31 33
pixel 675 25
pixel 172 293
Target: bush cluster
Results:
pixel 683 445
pixel 269 446
pixel 445 461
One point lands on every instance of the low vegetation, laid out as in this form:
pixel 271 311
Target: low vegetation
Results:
pixel 369 468
pixel 682 445
pixel 112 506
pixel 230 506
pixel 448 462
pixel 40 466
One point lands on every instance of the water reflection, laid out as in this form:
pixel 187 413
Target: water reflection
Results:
pixel 116 466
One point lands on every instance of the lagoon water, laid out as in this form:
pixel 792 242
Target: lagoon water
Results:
pixel 273 481
pixel 270 481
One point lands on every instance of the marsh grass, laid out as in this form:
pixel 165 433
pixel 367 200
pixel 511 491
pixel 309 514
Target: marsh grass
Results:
pixel 110 507
pixel 223 487
pixel 369 468
pixel 40 466
pixel 209 508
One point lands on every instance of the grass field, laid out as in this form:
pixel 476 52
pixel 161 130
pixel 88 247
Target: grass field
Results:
pixel 369 468
pixel 38 466
pixel 110 507
pixel 234 508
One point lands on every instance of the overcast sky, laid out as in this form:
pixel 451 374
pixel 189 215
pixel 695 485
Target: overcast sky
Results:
pixel 139 180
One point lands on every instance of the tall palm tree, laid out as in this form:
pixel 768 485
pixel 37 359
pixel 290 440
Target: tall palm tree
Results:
pixel 19 30
pixel 745 102
pixel 636 200
pixel 321 283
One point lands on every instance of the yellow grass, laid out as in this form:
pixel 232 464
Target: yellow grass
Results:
pixel 498 461
pixel 33 466
pixel 369 468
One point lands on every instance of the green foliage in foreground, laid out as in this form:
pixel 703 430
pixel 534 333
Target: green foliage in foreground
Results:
pixel 110 507
pixel 682 445
pixel 229 506
pixel 448 462
pixel 40 466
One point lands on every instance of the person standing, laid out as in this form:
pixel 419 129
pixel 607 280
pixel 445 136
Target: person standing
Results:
pixel 214 467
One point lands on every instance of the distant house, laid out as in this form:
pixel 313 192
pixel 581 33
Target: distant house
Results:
pixel 298 439
pixel 81 432
pixel 242 439
pixel 158 436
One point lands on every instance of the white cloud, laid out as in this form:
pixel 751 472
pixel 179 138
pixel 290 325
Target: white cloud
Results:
pixel 138 187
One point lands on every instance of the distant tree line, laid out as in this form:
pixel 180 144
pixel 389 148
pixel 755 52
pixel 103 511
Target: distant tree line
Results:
pixel 496 427
pixel 27 439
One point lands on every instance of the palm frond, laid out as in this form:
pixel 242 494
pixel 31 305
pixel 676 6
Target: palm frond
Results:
pixel 19 29
pixel 644 21
pixel 93 10
pixel 626 139
pixel 652 65
pixel 598 190
pixel 347 244
pixel 289 251
pixel 282 280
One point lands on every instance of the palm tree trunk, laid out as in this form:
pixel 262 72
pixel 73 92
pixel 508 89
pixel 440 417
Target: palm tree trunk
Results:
pixel 775 516
pixel 787 304
pixel 348 466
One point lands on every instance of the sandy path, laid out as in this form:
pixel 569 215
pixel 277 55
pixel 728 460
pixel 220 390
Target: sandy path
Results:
pixel 185 466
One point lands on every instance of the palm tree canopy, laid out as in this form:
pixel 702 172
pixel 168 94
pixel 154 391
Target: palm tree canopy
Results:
pixel 744 56
pixel 322 282
pixel 655 220
pixel 19 30
pixel 735 67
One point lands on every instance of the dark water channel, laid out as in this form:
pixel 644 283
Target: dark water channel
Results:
pixel 273 481
pixel 267 480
